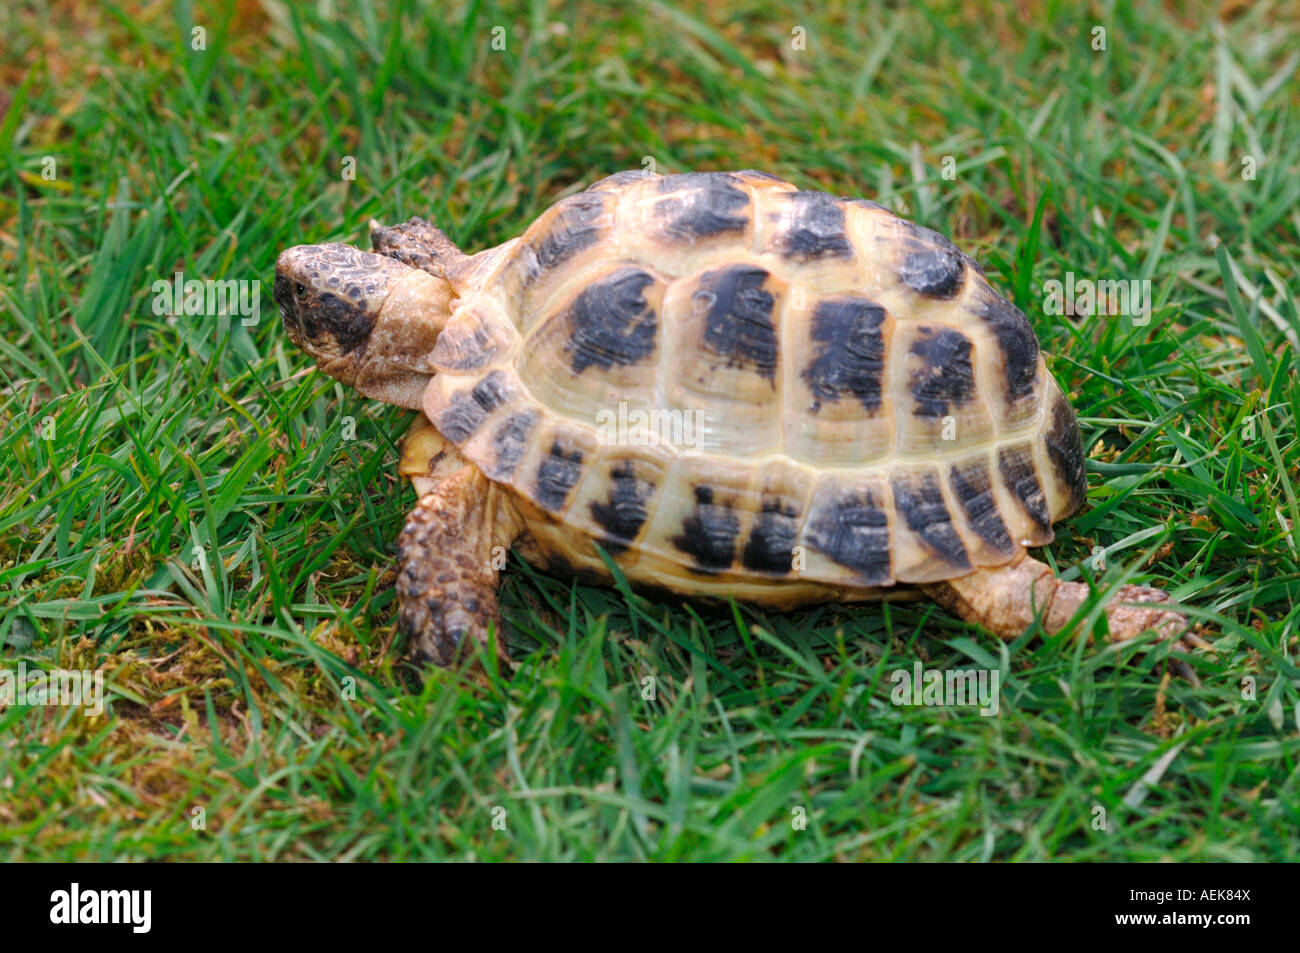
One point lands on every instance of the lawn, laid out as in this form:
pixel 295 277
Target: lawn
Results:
pixel 188 507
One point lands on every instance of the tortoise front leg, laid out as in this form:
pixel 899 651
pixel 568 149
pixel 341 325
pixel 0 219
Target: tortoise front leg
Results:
pixel 417 243
pixel 1006 599
pixel 446 581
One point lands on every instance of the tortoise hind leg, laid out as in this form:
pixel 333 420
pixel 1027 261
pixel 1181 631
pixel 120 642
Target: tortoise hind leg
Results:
pixel 1006 599
pixel 446 577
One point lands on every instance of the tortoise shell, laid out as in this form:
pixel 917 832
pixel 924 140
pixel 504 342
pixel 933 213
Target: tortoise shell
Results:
pixel 842 400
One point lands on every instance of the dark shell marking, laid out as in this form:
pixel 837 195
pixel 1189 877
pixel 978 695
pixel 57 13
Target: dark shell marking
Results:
pixel 972 484
pixel 706 205
pixel 466 412
pixel 609 322
pixel 931 264
pixel 1065 450
pixel 709 533
pixel 854 532
pixel 509 444
pixel 557 476
pixel 739 326
pixel 816 228
pixel 1015 337
pixel 772 539
pixel 945 378
pixel 624 511
pixel 1016 465
pixel 576 225
pixel 851 356
pixel 920 503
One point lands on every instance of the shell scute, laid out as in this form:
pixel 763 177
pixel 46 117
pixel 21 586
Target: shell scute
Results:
pixel 772 546
pixel 935 547
pixel 1020 478
pixel 850 524
pixel 941 409
pixel 849 352
pixel 696 206
pixel 931 265
pixel 575 223
pixel 738 328
pixel 809 226
pixel 467 410
pixel 971 483
pixel 610 322
pixel 557 475
pixel 510 443
pixel 625 509
pixel 725 357
pixel 473 338
pixel 704 512
pixel 1016 358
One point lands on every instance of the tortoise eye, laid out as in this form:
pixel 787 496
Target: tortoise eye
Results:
pixel 299 290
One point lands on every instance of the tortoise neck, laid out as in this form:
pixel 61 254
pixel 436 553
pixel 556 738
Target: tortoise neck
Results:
pixel 395 366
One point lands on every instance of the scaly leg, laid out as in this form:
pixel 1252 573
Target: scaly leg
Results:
pixel 417 243
pixel 1006 599
pixel 446 578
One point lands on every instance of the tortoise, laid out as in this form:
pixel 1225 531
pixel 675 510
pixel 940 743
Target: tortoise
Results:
pixel 725 386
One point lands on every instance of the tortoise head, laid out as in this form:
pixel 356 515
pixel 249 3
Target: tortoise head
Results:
pixel 370 321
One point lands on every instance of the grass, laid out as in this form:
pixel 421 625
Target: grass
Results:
pixel 184 506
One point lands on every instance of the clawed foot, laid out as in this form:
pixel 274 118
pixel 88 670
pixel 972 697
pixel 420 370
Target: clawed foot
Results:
pixel 417 243
pixel 1128 620
pixel 441 627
